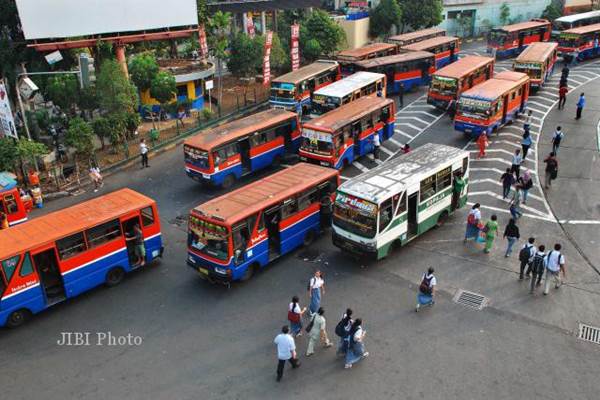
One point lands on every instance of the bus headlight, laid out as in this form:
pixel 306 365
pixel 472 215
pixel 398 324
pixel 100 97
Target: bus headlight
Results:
pixel 222 271
pixel 191 260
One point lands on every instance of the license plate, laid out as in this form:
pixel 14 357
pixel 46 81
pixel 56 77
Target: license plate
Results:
pixel 468 130
pixel 203 271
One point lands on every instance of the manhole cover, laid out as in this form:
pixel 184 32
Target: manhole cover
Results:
pixel 589 333
pixel 472 300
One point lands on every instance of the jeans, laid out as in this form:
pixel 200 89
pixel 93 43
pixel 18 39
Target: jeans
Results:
pixel 579 110
pixel 548 179
pixel 561 102
pixel 505 191
pixel 516 169
pixel 144 160
pixel 555 147
pixel 281 365
pixel 515 212
pixel 524 192
pixel 525 148
pixel 555 276
pixel 511 243
pixel 536 280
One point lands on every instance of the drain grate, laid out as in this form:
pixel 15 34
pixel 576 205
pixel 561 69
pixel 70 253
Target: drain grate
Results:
pixel 469 299
pixel 589 333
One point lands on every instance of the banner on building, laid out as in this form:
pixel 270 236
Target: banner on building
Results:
pixel 7 122
pixel 266 59
pixel 294 48
pixel 203 44
pixel 250 25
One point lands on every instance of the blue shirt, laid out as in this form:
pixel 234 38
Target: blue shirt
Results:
pixel 581 102
pixel 527 141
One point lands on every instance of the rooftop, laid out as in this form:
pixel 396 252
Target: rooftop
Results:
pixel 537 51
pixel 393 59
pixel 429 43
pixel 335 119
pixel 523 25
pixel 463 66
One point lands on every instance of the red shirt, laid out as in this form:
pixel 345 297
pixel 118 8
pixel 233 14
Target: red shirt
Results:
pixel 563 91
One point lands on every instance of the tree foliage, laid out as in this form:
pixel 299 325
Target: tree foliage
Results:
pixel 386 15
pixel 244 57
pixel 504 14
pixel 102 129
pixel 29 150
pixel 320 28
pixel 202 11
pixel 552 11
pixel 63 90
pixel 8 154
pixel 218 25
pixel 142 70
pixel 80 136
pixel 163 87
pixel 421 14
pixel 114 91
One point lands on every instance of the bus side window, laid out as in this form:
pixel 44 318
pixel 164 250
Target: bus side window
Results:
pixel 251 222
pixel 356 129
pixel 9 266
pixel 220 157
pixel 257 139
pixel 10 204
pixel 368 122
pixel 71 245
pixel 385 214
pixel 465 165
pixel 400 208
pixel 284 130
pixel 306 199
pixel 290 207
pixel 26 266
pixel 240 237
pixel 231 150
pixel 104 233
pixel 347 134
pixel 270 135
pixel 427 187
pixel 443 179
pixel 261 222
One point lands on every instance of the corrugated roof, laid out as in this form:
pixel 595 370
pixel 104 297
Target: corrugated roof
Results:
pixel 463 66
pixel 522 25
pixel 537 52
pixel 416 34
pixel 230 131
pixel 583 29
pixel 396 58
pixel 349 84
pixel 56 225
pixel 234 206
pixel 492 88
pixel 429 43
pixel 577 17
pixel 307 71
pixel 359 53
pixel 341 116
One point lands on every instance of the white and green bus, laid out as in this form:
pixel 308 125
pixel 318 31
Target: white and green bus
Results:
pixel 399 200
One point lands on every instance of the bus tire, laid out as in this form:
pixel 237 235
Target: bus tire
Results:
pixel 250 271
pixel 309 237
pixel 114 276
pixel 442 219
pixel 228 181
pixel 18 318
pixel 276 161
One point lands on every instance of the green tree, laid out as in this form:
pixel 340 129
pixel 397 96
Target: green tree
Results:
pixel 552 11
pixel 102 129
pixel 466 24
pixel 114 91
pixel 386 15
pixel 30 151
pixel 504 14
pixel 245 56
pixel 421 14
pixel 142 70
pixel 80 136
pixel 202 11
pixel 320 27
pixel 8 154
pixel 280 58
pixel 163 87
pixel 311 49
pixel 219 24
pixel 117 134
pixel 63 90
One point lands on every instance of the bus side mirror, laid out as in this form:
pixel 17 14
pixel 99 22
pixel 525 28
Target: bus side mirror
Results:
pixel 239 257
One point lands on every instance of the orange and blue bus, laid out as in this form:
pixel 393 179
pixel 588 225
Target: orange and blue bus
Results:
pixel 566 22
pixel 349 58
pixel 347 90
pixel 537 61
pixel 223 154
pixel 68 252
pixel 417 36
pixel 293 91
pixel 449 82
pixel 11 204
pixel 235 235
pixel 511 40
pixel 445 48
pixel 339 137
pixel 580 43
pixel 408 69
pixel 491 104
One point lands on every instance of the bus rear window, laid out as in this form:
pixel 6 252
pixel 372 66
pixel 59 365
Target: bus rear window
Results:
pixel 147 216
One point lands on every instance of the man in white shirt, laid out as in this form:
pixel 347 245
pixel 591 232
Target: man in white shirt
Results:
pixel 376 144
pixel 555 264
pixel 144 153
pixel 286 351
pixel 517 160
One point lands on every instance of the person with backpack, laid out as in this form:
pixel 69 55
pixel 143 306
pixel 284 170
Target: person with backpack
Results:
pixel 526 257
pixel 555 264
pixel 551 169
pixel 342 329
pixel 538 266
pixel 511 233
pixel 473 221
pixel 316 332
pixel 356 348
pixel 507 179
pixel 557 137
pixel 426 289
pixel 295 316
pixel 316 288
pixel 490 229
pixel 525 184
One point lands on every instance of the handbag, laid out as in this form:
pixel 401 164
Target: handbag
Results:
pixel 310 324
pixel 293 317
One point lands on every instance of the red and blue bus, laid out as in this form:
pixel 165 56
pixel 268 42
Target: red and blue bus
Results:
pixel 580 43
pixel 235 235
pixel 449 82
pixel 349 58
pixel 511 40
pixel 408 69
pixel 12 205
pixel 491 104
pixel 68 252
pixel 293 91
pixel 566 22
pixel 445 48
pixel 223 154
pixel 338 137
pixel 417 36
pixel 537 61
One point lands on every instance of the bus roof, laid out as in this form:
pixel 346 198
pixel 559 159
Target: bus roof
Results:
pixel 349 84
pixel 576 17
pixel 429 43
pixel 339 117
pixel 523 25
pixel 58 224
pixel 463 66
pixel 416 34
pixel 583 29
pixel 247 200
pixel 393 59
pixel 537 52
pixel 396 174
pixel 357 54
pixel 493 88
pixel 306 72
pixel 229 131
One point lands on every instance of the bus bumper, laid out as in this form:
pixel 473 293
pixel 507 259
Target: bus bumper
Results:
pixel 469 129
pixel 209 273
pixel 359 249
pixel 197 176
pixel 311 160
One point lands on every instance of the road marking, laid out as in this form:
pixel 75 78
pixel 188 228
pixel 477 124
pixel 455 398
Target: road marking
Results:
pixel 385 150
pixel 598 135
pixel 579 222
pixel 546 93
pixel 503 161
pixel 416 128
pixel 417 119
pixel 361 167
pixel 498 183
pixel 539 104
pixel 425 112
pixel 497 196
pixel 508 212
pixel 397 143
pixel 402 133
pixel 510 153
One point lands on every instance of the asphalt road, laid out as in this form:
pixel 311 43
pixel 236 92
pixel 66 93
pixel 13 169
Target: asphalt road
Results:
pixel 206 342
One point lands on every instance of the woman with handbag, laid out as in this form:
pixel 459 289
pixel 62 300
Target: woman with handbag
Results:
pixel 356 347
pixel 316 332
pixel 490 229
pixel 295 316
pixel 473 221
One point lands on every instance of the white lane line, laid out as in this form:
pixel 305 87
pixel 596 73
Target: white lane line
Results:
pixel 498 183
pixel 397 143
pixel 579 222
pixel 510 153
pixel 503 161
pixel 416 119
pixel 496 170
pixel 497 196
pixel 361 167
pixel 426 113
pixel 416 128
pixel 538 104
pixel 344 178
pixel 576 81
pixel 545 93
pixel 402 133
pixel 386 151
pixel 508 212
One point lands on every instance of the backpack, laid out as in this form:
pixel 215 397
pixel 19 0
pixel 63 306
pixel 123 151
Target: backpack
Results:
pixel 537 265
pixel 552 165
pixel 525 253
pixel 340 328
pixel 424 287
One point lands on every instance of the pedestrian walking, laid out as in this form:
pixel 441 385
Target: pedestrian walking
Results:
pixel 482 143
pixel 473 221
pixel 564 82
pixel 96 178
pixel 401 94
pixel 458 185
pixel 286 351
pixel 144 153
pixel 557 137
pixel 538 266
pixel 528 121
pixel 137 237
pixel 526 144
pixel 551 169
pixel 356 349
pixel 580 105
pixel 342 330
pixel 317 332
pixel 562 96
pixel 376 144
pixel 511 234
pixel 525 183
pixel 517 160
pixel 555 265
pixel 490 229
pixel 295 316
pixel 526 256
pixel 507 179
pixel 515 204
pixel 316 289
pixel 565 72
pixel 426 289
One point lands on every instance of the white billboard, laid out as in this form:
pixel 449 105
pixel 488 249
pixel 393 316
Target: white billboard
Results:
pixel 43 19
pixel 7 123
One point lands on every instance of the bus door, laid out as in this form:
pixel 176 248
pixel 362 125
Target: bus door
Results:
pixel 9 205
pixel 244 149
pixel 413 203
pixel 505 100
pixel 127 225
pixel 356 128
pixel 521 39
pixel 272 220
pixel 47 267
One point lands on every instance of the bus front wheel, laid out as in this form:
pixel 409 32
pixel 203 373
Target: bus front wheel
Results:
pixel 442 219
pixel 249 272
pixel 228 181
pixel 18 318
pixel 309 237
pixel 114 276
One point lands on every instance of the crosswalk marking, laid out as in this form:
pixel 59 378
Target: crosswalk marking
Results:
pixel 425 112
pixel 361 167
pixel 416 128
pixel 386 150
pixel 497 196
pixel 417 119
pixel 402 133
pixel 498 183
pixel 506 211
pixel 397 143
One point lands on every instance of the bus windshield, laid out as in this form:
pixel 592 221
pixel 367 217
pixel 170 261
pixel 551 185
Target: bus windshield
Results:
pixel 444 86
pixel 278 93
pixel 474 108
pixel 196 156
pixel 317 142
pixel 567 40
pixel 498 37
pixel 533 70
pixel 209 238
pixel 355 215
